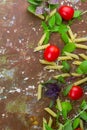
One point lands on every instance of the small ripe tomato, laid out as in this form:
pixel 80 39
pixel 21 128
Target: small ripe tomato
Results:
pixel 51 53
pixel 75 93
pixel 66 12
pixel 78 129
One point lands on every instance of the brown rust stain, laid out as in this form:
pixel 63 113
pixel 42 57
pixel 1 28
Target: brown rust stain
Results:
pixel 20 71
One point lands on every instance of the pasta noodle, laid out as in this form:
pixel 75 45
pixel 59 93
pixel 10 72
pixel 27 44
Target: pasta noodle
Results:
pixel 39 48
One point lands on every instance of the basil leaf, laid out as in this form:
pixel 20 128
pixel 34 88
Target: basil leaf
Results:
pixel 70 47
pixel 61 79
pixel 77 14
pixel 55 29
pixel 47 37
pixel 65 38
pixel 51 21
pixel 31 8
pixel 58 19
pixel 83 105
pixel 45 27
pixel 66 91
pixel 66 107
pixel 83 115
pixel 66 66
pixel 82 69
pixel 68 125
pixel 76 123
pixel 33 2
pixel 63 29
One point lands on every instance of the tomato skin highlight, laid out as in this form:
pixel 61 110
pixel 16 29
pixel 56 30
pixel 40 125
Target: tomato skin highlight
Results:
pixel 75 93
pixel 51 53
pixel 66 12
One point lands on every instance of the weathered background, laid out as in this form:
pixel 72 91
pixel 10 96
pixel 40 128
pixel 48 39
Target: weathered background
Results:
pixel 20 70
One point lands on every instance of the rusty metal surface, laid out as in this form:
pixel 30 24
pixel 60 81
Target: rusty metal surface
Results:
pixel 20 71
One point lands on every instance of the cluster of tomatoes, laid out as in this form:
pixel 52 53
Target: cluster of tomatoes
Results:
pixel 52 52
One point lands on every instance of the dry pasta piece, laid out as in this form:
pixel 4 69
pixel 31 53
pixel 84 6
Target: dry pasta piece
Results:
pixel 76 74
pixel 64 58
pixel 81 46
pixel 39 93
pixel 72 55
pixel 39 48
pixel 40 16
pixel 81 124
pixel 83 56
pixel 77 62
pixel 51 14
pixel 72 36
pixel 42 39
pixel 44 121
pixel 52 113
pixel 81 81
pixel 83 39
pixel 50 122
pixel 63 75
pixel 46 62
pixel 55 67
pixel 59 104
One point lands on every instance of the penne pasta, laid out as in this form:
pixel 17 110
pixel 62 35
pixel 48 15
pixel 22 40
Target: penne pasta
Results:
pixel 81 39
pixel 39 93
pixel 46 62
pixel 81 46
pixel 76 74
pixel 52 113
pixel 64 58
pixel 72 55
pixel 51 14
pixel 44 122
pixel 42 39
pixel 39 48
pixel 77 62
pixel 63 75
pixel 50 122
pixel 72 36
pixel 55 67
pixel 81 81
pixel 83 56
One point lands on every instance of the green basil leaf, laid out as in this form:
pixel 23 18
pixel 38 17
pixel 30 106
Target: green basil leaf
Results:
pixel 83 105
pixel 48 127
pixel 58 19
pixel 68 125
pixel 63 29
pixel 70 47
pixel 66 66
pixel 66 91
pixel 76 123
pixel 83 115
pixel 55 29
pixel 47 37
pixel 82 69
pixel 65 38
pixel 44 26
pixel 66 107
pixel 51 21
pixel 77 14
pixel 31 8
pixel 61 79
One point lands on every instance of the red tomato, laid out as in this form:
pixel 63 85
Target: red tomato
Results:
pixel 75 93
pixel 66 12
pixel 78 129
pixel 51 53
